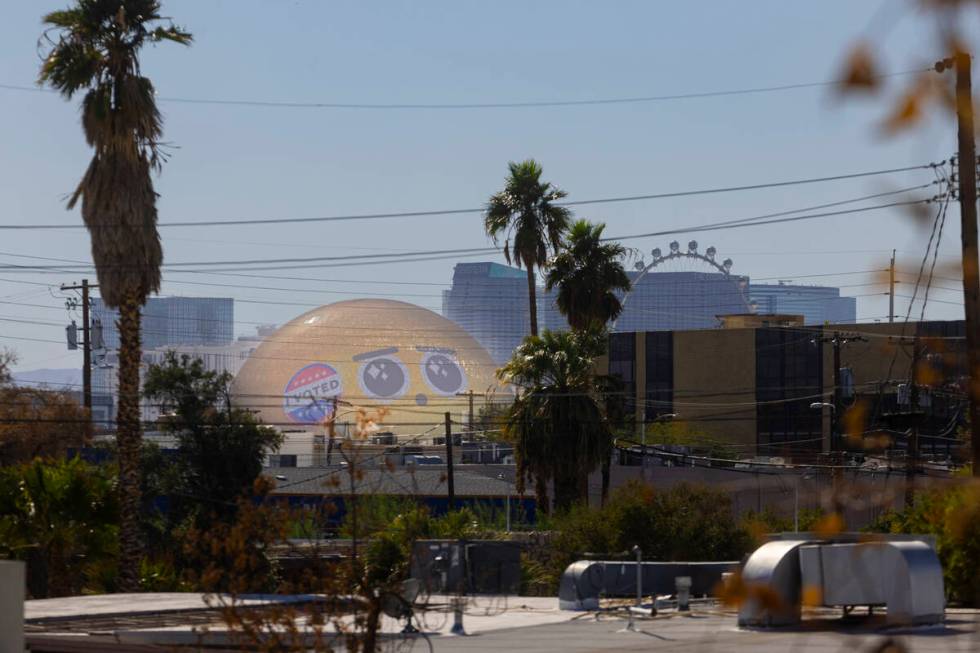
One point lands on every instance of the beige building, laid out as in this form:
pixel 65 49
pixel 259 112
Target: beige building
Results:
pixel 754 387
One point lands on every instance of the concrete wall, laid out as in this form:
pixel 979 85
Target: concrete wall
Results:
pixel 864 496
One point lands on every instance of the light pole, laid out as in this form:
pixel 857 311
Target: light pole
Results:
pixel 820 405
pixel 835 462
pixel 500 476
pixel 796 501
pixel 659 419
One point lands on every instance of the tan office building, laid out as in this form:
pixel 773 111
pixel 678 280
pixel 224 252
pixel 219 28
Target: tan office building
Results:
pixel 755 387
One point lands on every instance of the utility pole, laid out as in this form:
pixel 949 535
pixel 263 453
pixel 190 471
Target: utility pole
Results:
pixel 86 348
pixel 891 289
pixel 967 189
pixel 968 229
pixel 912 445
pixel 331 428
pixel 835 424
pixel 449 463
pixel 838 340
pixel 471 421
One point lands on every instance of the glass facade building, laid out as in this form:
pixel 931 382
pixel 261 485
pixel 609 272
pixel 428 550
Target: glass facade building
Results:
pixel 667 301
pixel 817 304
pixel 174 321
pixel 490 302
pixel 167 322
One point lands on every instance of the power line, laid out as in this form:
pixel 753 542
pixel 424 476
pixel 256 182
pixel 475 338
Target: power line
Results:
pixel 755 222
pixel 376 259
pixel 414 214
pixel 526 104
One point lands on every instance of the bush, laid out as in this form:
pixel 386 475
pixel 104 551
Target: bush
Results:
pixel 686 522
pixel 760 524
pixel 953 516
pixel 61 517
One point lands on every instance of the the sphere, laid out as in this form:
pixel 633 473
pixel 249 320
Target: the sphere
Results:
pixel 367 353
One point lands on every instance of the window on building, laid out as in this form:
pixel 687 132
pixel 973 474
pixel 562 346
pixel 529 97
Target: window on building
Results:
pixel 659 373
pixel 789 377
pixel 622 364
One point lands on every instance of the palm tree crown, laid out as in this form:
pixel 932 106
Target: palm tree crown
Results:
pixel 557 422
pixel 97 48
pixel 525 216
pixel 588 272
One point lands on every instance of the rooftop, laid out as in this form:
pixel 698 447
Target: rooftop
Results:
pixel 143 622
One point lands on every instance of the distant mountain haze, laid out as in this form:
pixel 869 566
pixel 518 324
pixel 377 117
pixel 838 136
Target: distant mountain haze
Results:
pixel 69 378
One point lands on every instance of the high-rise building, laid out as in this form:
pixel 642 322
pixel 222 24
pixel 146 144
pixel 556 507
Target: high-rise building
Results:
pixel 174 321
pixel 490 302
pixel 670 301
pixel 168 322
pixel 817 304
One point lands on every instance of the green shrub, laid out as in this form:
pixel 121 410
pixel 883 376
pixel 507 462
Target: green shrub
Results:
pixel 760 524
pixel 686 522
pixel 61 517
pixel 953 516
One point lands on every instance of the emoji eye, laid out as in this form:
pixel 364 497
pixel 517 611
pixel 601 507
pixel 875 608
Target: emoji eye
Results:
pixel 382 375
pixel 443 373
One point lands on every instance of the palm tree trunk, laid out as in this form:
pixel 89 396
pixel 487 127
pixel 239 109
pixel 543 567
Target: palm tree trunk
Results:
pixel 532 298
pixel 541 495
pixel 128 442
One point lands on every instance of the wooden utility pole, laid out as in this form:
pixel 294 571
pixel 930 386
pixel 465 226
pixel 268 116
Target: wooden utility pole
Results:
pixel 449 463
pixel 835 435
pixel 331 428
pixel 86 349
pixel 472 421
pixel 837 456
pixel 912 445
pixel 968 228
pixel 891 289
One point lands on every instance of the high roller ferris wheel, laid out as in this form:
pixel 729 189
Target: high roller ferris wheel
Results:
pixel 690 260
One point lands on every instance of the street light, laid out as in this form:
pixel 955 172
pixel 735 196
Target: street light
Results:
pixel 659 419
pixel 806 476
pixel 820 405
pixel 500 477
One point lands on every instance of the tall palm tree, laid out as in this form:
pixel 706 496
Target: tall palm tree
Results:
pixel 557 422
pixel 525 215
pixel 587 273
pixel 95 47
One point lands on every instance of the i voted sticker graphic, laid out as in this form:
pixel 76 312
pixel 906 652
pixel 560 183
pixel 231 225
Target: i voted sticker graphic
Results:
pixel 307 397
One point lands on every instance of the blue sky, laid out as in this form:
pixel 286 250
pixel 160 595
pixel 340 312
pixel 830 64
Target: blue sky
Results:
pixel 251 162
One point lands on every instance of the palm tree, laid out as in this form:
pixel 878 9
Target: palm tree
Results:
pixel 557 424
pixel 587 273
pixel 96 48
pixel 524 213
